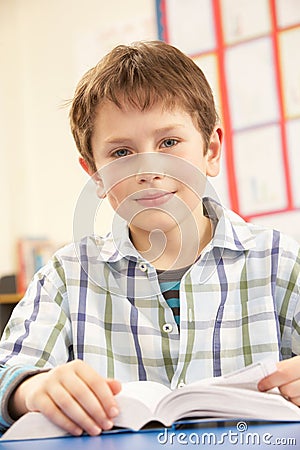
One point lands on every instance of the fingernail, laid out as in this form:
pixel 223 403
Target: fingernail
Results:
pixel 96 430
pixel 77 432
pixel 114 412
pixel 107 424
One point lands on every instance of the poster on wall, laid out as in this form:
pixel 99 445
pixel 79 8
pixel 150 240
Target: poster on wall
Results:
pixel 293 134
pixel 190 25
pixel 255 151
pixel 251 84
pixel 290 71
pixel 244 19
pixel 249 53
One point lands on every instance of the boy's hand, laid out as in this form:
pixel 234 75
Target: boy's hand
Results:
pixel 286 378
pixel 73 396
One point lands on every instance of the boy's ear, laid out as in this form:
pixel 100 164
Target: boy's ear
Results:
pixel 97 179
pixel 213 154
pixel 85 166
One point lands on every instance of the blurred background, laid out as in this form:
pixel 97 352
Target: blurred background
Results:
pixel 249 51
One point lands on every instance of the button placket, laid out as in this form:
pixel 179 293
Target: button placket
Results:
pixel 143 267
pixel 167 327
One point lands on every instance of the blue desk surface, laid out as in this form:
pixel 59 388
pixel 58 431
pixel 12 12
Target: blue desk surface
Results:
pixel 223 436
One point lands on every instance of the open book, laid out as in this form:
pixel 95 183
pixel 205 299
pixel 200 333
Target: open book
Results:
pixel 232 396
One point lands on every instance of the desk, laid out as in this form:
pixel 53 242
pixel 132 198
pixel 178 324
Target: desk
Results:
pixel 7 304
pixel 262 436
pixel 10 298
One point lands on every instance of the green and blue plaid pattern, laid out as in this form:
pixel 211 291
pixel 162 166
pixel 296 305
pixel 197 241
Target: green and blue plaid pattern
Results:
pixel 100 301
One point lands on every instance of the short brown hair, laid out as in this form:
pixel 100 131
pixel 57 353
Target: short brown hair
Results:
pixel 141 74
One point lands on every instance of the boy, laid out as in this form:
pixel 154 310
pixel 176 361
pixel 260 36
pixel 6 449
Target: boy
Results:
pixel 181 290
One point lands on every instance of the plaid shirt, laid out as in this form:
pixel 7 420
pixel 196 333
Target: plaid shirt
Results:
pixel 100 301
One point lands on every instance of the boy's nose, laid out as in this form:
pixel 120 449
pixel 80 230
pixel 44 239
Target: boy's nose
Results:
pixel 148 177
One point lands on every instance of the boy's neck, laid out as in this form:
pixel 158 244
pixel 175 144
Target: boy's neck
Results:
pixel 180 247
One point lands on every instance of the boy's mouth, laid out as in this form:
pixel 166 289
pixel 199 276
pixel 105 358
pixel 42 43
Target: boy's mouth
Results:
pixel 155 198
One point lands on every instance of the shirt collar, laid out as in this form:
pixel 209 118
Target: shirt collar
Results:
pixel 231 232
pixel 117 244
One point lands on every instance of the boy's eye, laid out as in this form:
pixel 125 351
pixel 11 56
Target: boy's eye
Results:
pixel 167 143
pixel 121 152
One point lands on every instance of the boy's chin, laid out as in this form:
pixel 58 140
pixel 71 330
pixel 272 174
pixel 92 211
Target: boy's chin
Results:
pixel 153 221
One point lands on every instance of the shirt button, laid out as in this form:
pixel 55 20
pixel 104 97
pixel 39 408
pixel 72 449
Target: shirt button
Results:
pixel 181 385
pixel 143 267
pixel 167 328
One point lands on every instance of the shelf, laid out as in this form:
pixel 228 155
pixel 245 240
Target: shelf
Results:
pixel 10 298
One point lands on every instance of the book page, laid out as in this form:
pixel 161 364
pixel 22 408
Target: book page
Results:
pixel 148 392
pixel 232 396
pixel 248 376
pixel 33 425
pixel 137 403
pixel 230 402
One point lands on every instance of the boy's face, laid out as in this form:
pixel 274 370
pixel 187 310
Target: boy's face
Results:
pixel 135 149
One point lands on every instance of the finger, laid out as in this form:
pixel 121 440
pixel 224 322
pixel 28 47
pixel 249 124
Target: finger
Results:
pixel 295 400
pixel 291 391
pixel 115 386
pixel 55 415
pixel 290 366
pixel 287 371
pixel 276 379
pixel 100 388
pixel 73 411
pixel 86 398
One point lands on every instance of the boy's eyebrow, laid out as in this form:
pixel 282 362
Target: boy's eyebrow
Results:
pixel 169 128
pixel 157 132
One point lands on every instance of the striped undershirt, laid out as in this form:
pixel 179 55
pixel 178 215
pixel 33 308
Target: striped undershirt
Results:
pixel 169 281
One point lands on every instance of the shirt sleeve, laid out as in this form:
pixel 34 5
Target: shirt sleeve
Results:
pixel 288 285
pixel 296 321
pixel 295 282
pixel 38 335
pixel 10 379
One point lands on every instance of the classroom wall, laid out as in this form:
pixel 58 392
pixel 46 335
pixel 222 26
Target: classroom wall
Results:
pixel 45 47
pixel 249 53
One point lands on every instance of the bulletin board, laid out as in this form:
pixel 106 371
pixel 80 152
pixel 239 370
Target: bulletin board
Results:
pixel 249 52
